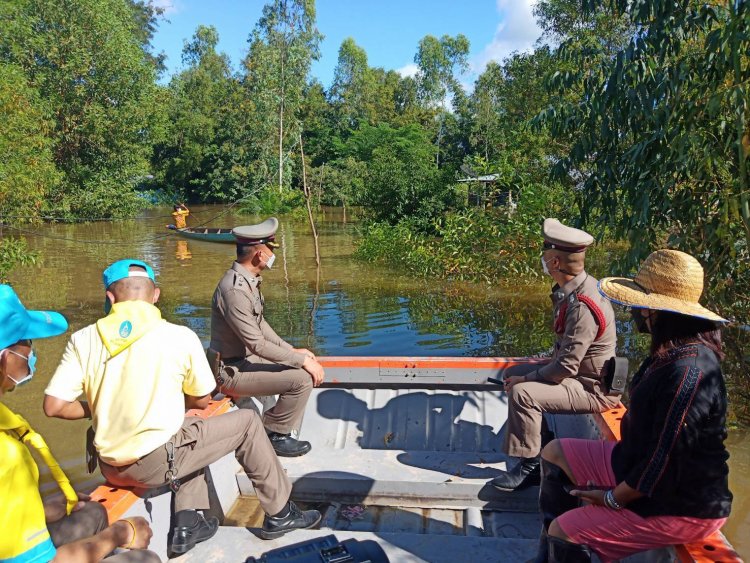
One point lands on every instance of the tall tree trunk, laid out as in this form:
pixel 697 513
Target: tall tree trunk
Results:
pixel 439 138
pixel 320 185
pixel 281 126
pixel 281 145
pixel 306 191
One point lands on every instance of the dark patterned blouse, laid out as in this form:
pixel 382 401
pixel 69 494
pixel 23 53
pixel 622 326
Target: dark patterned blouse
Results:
pixel 672 448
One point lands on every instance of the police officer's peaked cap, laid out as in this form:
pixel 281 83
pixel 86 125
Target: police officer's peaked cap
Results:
pixel 566 239
pixel 262 233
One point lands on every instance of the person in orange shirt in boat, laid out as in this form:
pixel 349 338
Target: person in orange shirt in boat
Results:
pixel 180 215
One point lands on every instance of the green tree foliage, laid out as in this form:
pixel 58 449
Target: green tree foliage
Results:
pixel 439 60
pixel 487 106
pixel 282 47
pixel 27 169
pixel 351 86
pixel 564 20
pixel 189 159
pixel 662 131
pixel 87 62
pixel 401 181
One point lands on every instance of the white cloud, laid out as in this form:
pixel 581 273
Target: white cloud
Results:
pixel 408 70
pixel 168 6
pixel 517 31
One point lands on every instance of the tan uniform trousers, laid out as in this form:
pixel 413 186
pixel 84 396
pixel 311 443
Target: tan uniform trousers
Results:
pixel 529 400
pixel 257 377
pixel 201 442
pixel 89 521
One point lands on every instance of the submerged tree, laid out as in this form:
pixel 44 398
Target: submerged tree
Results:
pixel 86 59
pixel 27 169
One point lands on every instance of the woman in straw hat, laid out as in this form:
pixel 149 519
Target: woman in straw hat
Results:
pixel 665 482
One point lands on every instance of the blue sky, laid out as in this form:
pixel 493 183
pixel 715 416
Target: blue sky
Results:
pixel 388 30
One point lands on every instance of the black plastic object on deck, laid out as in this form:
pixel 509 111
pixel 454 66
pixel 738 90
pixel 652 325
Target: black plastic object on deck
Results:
pixel 327 549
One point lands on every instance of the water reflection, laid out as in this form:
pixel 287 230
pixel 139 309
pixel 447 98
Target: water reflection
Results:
pixel 344 307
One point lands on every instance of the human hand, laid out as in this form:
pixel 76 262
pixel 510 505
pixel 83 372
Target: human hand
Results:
pixel 509 382
pixel 55 507
pixel 595 497
pixel 315 370
pixel 134 532
pixel 306 352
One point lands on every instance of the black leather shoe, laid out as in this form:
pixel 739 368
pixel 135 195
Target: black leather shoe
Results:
pixel 525 474
pixel 295 519
pixel 191 528
pixel 286 446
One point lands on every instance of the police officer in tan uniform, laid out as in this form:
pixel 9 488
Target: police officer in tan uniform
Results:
pixel 256 361
pixel 571 382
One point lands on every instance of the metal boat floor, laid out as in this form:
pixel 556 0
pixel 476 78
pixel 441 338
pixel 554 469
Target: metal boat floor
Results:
pixel 408 468
pixel 403 448
pixel 236 544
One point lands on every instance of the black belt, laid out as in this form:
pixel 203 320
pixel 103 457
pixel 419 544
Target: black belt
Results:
pixel 232 360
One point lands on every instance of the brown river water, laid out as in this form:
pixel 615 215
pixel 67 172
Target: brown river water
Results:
pixel 346 307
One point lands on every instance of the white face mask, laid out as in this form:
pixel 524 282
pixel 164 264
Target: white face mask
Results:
pixel 545 269
pixel 270 262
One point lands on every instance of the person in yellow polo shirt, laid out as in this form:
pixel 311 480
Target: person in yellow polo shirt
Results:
pixel 139 373
pixel 57 529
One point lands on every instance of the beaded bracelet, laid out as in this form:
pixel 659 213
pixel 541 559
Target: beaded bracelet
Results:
pixel 610 501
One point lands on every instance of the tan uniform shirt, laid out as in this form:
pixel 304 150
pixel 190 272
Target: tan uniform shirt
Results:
pixel 238 328
pixel 577 353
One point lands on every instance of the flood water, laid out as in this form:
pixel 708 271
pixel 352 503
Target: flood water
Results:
pixel 344 308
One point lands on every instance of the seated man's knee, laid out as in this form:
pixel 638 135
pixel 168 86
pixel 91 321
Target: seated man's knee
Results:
pixel 520 396
pixel 95 515
pixel 552 452
pixel 304 382
pixel 250 416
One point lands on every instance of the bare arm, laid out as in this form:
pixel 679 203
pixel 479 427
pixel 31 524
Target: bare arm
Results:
pixel 96 548
pixel 69 410
pixel 200 403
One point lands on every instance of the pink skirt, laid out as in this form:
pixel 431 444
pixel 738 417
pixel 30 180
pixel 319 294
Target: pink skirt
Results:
pixel 615 534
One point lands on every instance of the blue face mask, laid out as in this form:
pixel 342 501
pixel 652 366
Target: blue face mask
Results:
pixel 31 361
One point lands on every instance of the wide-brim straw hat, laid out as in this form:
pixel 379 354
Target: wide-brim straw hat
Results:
pixel 669 280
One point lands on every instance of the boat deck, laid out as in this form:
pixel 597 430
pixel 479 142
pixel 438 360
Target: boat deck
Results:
pixel 402 453
pixel 407 468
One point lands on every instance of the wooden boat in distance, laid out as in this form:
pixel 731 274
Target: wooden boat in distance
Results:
pixel 207 234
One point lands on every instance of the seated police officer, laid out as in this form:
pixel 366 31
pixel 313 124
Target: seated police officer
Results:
pixel 257 362
pixel 571 382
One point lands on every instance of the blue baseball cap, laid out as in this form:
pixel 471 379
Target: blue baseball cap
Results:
pixel 121 270
pixel 17 323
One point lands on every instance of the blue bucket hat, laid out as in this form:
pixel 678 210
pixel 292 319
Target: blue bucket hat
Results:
pixel 121 270
pixel 17 323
